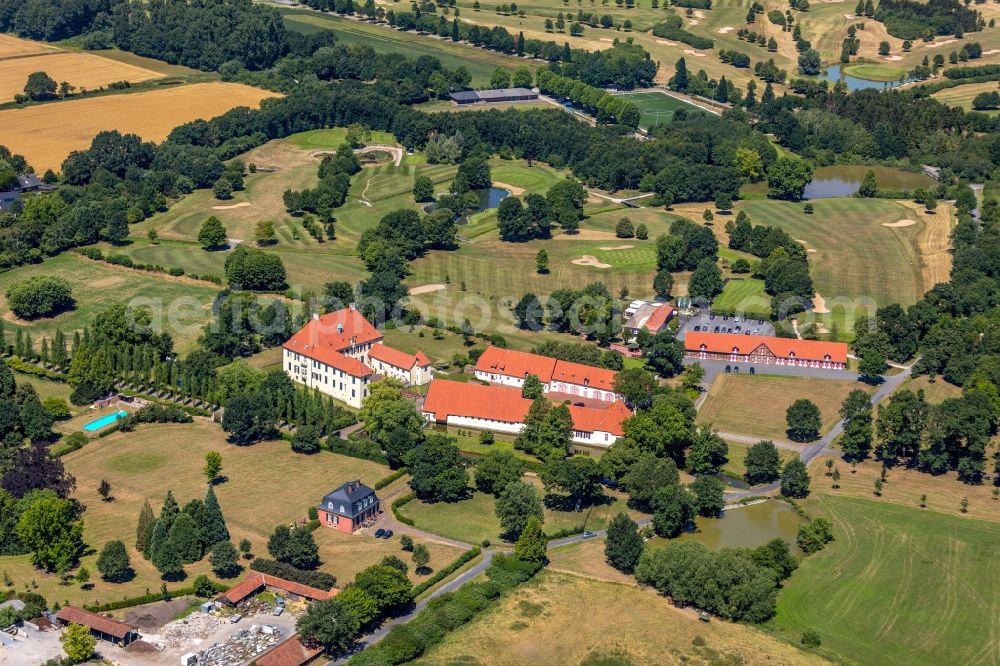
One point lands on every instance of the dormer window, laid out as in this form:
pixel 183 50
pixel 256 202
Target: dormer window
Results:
pixel 791 354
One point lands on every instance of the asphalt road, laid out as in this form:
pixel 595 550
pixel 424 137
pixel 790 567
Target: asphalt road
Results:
pixel 450 586
pixel 806 453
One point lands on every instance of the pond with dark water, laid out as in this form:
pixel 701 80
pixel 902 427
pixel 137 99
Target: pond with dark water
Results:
pixel 746 526
pixel 845 180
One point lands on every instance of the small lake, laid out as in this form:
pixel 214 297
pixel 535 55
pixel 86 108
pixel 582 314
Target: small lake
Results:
pixel 488 198
pixel 747 527
pixel 845 180
pixel 834 73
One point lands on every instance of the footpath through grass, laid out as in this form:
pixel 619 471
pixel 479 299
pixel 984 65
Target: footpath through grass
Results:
pixel 898 586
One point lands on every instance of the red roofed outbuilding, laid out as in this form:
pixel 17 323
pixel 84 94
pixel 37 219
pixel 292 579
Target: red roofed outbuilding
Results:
pixel 502 409
pixel 507 367
pixel 290 652
pixel 763 350
pixel 101 626
pixel 257 581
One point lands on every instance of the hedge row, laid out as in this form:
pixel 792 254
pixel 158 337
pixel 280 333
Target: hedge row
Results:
pixel 127 261
pixel 318 579
pixel 441 574
pixel 16 363
pixel 364 449
pixel 386 480
pixel 446 613
pixel 152 597
pixel 401 502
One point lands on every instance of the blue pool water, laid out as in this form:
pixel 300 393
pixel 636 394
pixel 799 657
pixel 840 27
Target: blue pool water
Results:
pixel 97 424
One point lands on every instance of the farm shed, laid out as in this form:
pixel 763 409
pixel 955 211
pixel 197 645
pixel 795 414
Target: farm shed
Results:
pixel 103 627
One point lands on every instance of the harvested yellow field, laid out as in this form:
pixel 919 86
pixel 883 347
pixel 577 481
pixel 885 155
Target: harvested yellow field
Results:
pixel 81 70
pixel 11 47
pixel 47 133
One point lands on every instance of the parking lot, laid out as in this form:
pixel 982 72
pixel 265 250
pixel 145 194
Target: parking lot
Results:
pixel 726 324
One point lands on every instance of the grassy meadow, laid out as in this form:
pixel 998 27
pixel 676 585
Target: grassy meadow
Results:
pixel 897 586
pixel 474 519
pixel 180 307
pixel 541 622
pixel 255 497
pixel 756 404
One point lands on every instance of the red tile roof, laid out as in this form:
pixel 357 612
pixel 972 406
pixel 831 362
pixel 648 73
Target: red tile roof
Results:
pixel 725 343
pixel 584 375
pixel 324 339
pixel 290 652
pixel 520 364
pixel 516 364
pixel 256 580
pixel 590 419
pixel 503 403
pixel 499 403
pixel 659 317
pixel 100 623
pixel 397 358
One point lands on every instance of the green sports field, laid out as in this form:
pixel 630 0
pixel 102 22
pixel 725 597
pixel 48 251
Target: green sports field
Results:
pixel 657 107
pixel 899 585
pixel 745 296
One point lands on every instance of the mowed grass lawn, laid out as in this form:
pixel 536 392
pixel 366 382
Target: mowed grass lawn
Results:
pixel 738 454
pixel 898 586
pixel 744 296
pixel 756 404
pixel 179 308
pixel 854 256
pixel 657 107
pixel 475 519
pixel 266 484
pixel 559 618
pixel 962 96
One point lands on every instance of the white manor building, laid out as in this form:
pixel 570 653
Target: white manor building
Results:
pixel 507 367
pixel 341 353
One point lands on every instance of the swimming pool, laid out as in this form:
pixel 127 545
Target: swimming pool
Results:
pixel 97 424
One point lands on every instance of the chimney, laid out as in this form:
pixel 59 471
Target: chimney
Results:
pixel 315 316
pixel 340 328
pixel 353 306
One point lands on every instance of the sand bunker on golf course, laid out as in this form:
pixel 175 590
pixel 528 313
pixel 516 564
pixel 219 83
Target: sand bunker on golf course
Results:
pixel 426 289
pixel 819 305
pixel 900 223
pixel 617 247
pixel 727 29
pixel 590 260
pixel 242 204
pixel 694 53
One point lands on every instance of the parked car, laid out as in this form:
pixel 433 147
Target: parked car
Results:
pixel 697 328
pixel 387 535
pixel 716 330
pixel 729 369
pixel 380 533
pixel 746 332
pixel 588 534
pixel 752 371
pixel 736 368
pixel 579 404
pixel 235 618
pixel 278 610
